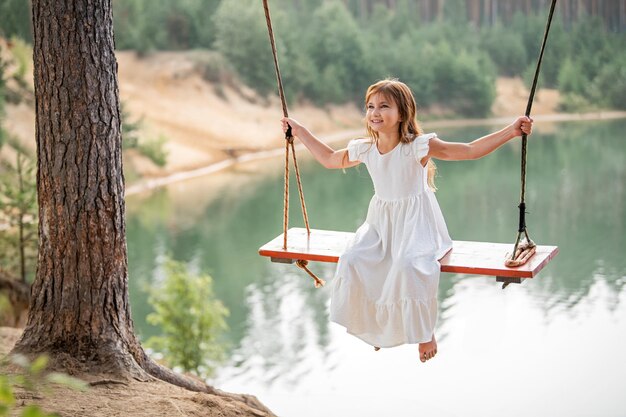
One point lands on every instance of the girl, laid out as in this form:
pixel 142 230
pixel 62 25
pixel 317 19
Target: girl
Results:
pixel 385 286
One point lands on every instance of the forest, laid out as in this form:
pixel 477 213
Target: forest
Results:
pixel 449 51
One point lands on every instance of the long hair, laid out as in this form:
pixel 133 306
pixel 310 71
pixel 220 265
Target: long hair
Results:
pixel 409 128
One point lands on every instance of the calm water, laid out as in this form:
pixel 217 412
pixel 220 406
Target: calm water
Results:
pixel 553 346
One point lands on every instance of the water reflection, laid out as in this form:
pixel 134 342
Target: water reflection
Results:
pixel 279 323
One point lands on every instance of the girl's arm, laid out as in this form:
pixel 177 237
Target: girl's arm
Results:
pixel 455 151
pixel 324 154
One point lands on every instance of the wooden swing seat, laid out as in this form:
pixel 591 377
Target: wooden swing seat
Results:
pixel 476 258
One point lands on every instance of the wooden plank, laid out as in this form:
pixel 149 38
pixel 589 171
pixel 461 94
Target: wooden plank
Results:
pixel 476 258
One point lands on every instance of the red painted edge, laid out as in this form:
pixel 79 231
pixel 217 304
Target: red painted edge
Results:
pixel 270 251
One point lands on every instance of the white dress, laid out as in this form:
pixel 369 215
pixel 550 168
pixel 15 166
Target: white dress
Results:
pixel 385 286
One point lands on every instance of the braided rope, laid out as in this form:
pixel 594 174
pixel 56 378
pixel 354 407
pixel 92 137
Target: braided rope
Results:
pixel 299 181
pixel 522 205
pixel 301 263
pixel 286 202
pixel 270 32
pixel 288 137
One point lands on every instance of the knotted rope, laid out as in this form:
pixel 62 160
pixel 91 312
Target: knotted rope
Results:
pixel 288 137
pixel 288 144
pixel 524 249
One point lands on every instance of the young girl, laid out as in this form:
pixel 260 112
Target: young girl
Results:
pixel 385 288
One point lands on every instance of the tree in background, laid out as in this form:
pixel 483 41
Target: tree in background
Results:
pixel 241 36
pixel 15 19
pixel 18 213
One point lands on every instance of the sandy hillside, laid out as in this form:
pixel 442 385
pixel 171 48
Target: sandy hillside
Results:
pixel 205 123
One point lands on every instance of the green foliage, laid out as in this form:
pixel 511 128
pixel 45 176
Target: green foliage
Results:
pixel 191 320
pixel 338 50
pixel 130 129
pixel 463 82
pixel 572 78
pixel 609 86
pixel 154 149
pixel 19 213
pixel 331 50
pixel 506 49
pixel 146 25
pixel 32 378
pixel 15 19
pixel 241 36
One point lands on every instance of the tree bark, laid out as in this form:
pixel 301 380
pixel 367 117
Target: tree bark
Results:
pixel 79 311
pixel 79 301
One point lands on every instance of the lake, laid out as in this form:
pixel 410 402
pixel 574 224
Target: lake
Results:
pixel 552 346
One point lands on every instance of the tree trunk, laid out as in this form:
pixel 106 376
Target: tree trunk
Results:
pixel 79 311
pixel 80 295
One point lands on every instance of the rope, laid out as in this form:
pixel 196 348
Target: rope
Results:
pixel 301 263
pixel 281 92
pixel 522 205
pixel 286 202
pixel 288 137
pixel 299 181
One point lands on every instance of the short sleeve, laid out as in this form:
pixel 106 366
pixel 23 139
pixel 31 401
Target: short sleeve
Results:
pixel 357 149
pixel 421 145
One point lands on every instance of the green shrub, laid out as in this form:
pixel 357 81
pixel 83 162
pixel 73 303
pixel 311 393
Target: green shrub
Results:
pixel 191 320
pixel 213 67
pixel 574 103
pixel 154 149
pixel 609 87
pixel 571 78
pixel 337 47
pixel 18 207
pixel 463 82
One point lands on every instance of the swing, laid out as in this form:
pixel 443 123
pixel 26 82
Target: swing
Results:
pixel 526 259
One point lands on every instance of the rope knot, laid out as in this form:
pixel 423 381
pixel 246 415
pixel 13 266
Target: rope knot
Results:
pixel 301 263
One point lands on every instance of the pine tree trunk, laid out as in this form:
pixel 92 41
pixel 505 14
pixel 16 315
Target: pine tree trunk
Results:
pixel 80 295
pixel 79 310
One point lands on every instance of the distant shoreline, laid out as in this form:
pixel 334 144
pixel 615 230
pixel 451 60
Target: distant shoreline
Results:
pixel 153 183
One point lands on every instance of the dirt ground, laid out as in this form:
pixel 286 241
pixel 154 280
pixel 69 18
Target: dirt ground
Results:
pixel 110 398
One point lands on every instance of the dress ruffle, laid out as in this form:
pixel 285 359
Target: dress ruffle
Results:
pixel 383 325
pixel 421 145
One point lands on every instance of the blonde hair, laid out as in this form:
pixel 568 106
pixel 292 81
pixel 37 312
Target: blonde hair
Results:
pixel 409 128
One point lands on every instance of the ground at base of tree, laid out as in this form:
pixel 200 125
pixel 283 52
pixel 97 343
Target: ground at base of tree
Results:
pixel 109 398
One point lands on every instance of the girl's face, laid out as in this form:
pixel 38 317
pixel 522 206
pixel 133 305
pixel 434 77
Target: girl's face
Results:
pixel 382 115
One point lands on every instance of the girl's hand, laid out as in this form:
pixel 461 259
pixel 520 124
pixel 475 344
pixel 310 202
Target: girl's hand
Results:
pixel 296 128
pixel 523 125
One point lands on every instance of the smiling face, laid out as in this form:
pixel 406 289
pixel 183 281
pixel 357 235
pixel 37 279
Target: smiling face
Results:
pixel 383 115
pixel 391 109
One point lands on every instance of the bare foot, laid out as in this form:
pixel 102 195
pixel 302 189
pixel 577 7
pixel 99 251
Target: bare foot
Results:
pixel 428 350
